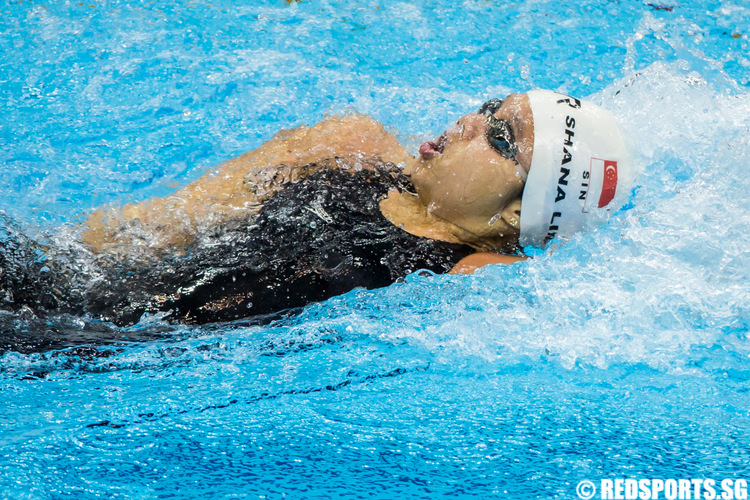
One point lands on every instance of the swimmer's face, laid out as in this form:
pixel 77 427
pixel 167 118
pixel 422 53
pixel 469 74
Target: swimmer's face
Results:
pixel 463 179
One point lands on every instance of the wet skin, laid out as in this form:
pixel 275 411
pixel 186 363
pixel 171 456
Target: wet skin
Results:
pixel 464 185
pixel 468 192
pixel 461 179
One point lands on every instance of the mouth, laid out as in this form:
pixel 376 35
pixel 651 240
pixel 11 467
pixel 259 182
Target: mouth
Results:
pixel 432 149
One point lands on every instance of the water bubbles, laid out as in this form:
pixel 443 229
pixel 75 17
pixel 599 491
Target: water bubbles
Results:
pixel 590 348
pixel 695 79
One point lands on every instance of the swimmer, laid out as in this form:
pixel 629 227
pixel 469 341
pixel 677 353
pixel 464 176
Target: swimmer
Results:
pixel 318 211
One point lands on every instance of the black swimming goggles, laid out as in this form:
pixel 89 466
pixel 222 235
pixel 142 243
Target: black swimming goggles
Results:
pixel 499 133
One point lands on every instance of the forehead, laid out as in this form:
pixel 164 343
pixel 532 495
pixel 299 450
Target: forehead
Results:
pixel 512 103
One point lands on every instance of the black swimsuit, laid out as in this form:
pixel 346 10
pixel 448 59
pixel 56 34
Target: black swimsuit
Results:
pixel 318 237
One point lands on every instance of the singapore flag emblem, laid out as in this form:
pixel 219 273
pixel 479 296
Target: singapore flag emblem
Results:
pixel 602 184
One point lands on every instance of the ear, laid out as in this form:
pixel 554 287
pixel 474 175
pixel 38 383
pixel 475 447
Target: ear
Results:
pixel 512 213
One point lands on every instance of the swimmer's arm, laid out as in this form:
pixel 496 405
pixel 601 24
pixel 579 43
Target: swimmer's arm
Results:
pixel 471 263
pixel 336 136
pixel 229 191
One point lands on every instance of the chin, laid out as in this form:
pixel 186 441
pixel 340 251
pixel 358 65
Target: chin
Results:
pixel 412 164
pixel 419 169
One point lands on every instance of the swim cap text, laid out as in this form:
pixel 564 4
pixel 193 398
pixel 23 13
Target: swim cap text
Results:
pixel 567 157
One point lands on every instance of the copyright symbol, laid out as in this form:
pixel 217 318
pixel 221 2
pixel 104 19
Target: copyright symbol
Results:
pixel 586 489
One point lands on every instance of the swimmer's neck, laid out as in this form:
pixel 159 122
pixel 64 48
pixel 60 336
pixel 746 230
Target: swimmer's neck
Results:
pixel 406 211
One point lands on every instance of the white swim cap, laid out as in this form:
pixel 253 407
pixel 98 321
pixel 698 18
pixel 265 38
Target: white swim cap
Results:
pixel 579 170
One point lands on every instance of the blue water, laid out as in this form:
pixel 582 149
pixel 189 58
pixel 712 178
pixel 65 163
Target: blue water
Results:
pixel 623 353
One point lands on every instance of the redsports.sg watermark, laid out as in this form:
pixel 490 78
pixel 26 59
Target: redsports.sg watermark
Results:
pixel 669 489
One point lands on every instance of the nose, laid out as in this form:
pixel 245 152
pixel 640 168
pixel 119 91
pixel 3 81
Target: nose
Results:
pixel 472 125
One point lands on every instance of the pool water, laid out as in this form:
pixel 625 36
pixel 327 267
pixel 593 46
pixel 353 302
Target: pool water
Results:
pixel 621 354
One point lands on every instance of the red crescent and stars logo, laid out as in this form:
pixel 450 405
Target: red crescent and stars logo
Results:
pixel 609 183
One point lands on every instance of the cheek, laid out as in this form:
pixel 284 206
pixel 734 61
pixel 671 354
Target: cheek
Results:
pixel 490 187
pixel 459 177
pixel 473 190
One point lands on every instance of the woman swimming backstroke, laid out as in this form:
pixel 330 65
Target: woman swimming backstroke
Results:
pixel 318 211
